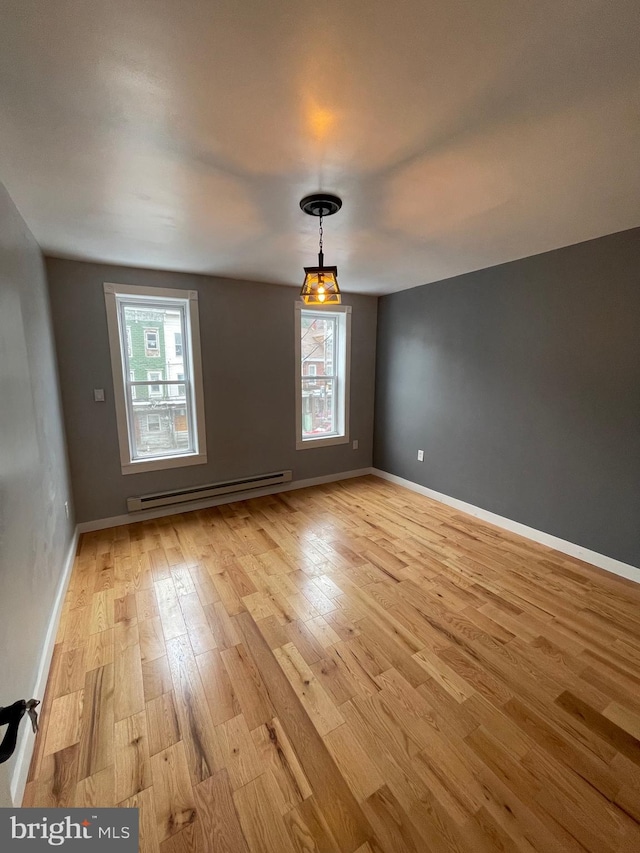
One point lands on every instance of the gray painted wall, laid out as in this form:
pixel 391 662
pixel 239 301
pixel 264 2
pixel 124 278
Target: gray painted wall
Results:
pixel 34 532
pixel 521 383
pixel 247 334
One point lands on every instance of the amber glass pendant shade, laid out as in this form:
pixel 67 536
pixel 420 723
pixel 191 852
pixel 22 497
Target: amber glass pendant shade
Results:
pixel 320 286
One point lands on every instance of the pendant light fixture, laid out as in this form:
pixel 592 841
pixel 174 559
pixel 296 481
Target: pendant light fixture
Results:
pixel 320 285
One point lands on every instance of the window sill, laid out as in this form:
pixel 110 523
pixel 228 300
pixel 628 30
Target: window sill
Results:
pixel 309 443
pixel 143 465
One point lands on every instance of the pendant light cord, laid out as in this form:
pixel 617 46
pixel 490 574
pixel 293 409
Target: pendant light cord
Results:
pixel 321 252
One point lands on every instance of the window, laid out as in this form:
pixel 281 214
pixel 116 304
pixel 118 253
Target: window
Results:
pixel 177 342
pixel 154 376
pixel 151 345
pixel 152 434
pixel 323 352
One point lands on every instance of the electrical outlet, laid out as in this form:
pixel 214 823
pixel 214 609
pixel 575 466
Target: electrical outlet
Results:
pixel 66 508
pixel 421 456
pixel 355 443
pixel 98 395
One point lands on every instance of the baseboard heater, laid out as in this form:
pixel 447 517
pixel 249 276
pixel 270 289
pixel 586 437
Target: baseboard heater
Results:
pixel 198 493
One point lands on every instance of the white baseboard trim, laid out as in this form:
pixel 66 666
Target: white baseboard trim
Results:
pixel 616 567
pixel 26 740
pixel 160 512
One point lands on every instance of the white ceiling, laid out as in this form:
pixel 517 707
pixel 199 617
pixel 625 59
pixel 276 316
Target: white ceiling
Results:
pixel 181 134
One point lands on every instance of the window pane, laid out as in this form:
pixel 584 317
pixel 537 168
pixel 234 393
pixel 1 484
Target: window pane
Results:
pixel 317 339
pixel 159 427
pixel 154 337
pixel 177 390
pixel 160 424
pixel 318 411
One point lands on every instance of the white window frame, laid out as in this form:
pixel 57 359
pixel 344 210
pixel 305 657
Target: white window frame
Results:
pixel 189 299
pixel 149 422
pixel 342 355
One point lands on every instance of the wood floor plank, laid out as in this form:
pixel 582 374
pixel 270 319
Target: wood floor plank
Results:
pixel 128 686
pixel 173 624
pixel 97 727
pixel 99 649
pixel 308 828
pixel 260 818
pixel 322 632
pixel 70 672
pixel 147 604
pixel 75 627
pixel 124 609
pixel 239 754
pixel 162 722
pixel 223 703
pixel 277 754
pixel 196 727
pixel 156 678
pixel 361 774
pixel 620 740
pixel 131 756
pixel 173 793
pixel 55 784
pixel 96 789
pixel 145 802
pixel 64 726
pixel 102 611
pixel 624 718
pixel 200 634
pixel 304 641
pixel 318 705
pixel 221 626
pixel 125 635
pixel 218 815
pixel 248 685
pixel 152 643
pixel 392 824
pixel 188 840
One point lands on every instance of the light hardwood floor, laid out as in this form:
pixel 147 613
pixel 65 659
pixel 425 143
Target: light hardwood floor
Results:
pixel 351 667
